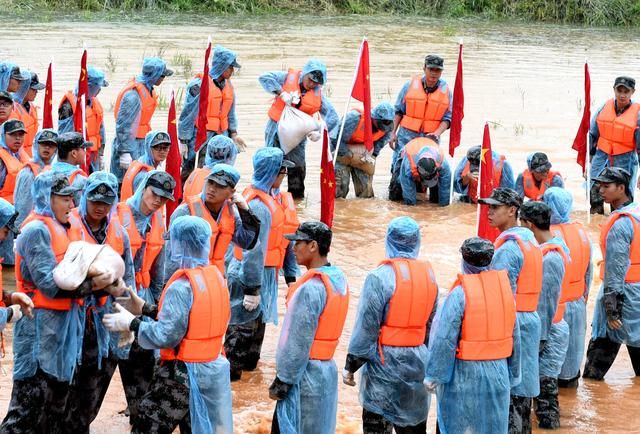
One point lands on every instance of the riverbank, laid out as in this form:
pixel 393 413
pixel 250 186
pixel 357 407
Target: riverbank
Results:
pixel 587 12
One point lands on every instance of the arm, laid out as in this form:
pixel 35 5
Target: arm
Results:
pixel 290 265
pixel 247 228
pixel 171 266
pixel 272 81
pixel 594 132
pixel 127 122
pixel 460 185
pixel 514 362
pixel 253 260
pixel 509 257
pixel 157 274
pixel 445 122
pixel 588 277
pixel 401 106
pixel 65 118
pixel 557 181
pixel 129 270
pixel 617 255
pixel 380 143
pixel 507 176
pixel 552 275
pixel 103 139
pixel 233 120
pixel 407 183
pixel 22 195
pixel 189 113
pixel 444 184
pixel 520 186
pixel 350 124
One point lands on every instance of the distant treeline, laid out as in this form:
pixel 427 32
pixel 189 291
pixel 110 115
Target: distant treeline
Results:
pixel 591 12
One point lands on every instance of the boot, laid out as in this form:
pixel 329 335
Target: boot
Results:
pixel 547 405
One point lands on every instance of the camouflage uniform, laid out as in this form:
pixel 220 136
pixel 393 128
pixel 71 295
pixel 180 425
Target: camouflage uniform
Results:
pixel 519 406
pixel 373 423
pixel 242 345
pixel 547 404
pixel 136 373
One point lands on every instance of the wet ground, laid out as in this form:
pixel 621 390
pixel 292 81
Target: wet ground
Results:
pixel 526 80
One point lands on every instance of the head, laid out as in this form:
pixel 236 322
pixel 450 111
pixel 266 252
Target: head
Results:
pixel 154 70
pixel 223 63
pixel 34 87
pixel 156 191
pixel 623 89
pixel 314 74
pixel 403 238
pixel 220 149
pixel 433 66
pixel 539 165
pixel 13 132
pixel 96 80
pixel 613 185
pixel 473 156
pixel 477 254
pixel 429 170
pixel 16 77
pixel 560 202
pixel 72 148
pixel 312 242
pixel 6 106
pixel 284 169
pixel 157 145
pixel 189 239
pixel 61 197
pixel 20 95
pixel 535 216
pixel 99 197
pixel 504 204
pixel 382 116
pixel 220 185
pixel 8 216
pixel 267 163
pixel 47 146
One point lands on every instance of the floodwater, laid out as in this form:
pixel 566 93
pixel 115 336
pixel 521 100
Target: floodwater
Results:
pixel 526 80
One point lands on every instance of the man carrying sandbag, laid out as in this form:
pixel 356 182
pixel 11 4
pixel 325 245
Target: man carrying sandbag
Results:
pixel 302 90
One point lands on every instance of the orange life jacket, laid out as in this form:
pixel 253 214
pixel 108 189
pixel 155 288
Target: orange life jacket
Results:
pixel 208 318
pixel 310 102
pixel 529 283
pixel 473 184
pixel 126 191
pixel 219 106
pixel 61 237
pixel 13 167
pixel 415 146
pixel 617 133
pixel 529 184
pixel 562 299
pixel 149 102
pixel 154 241
pixel 35 168
pixel 424 111
pixel 332 318
pixel 94 115
pixel 30 121
pixel 633 272
pixel 489 316
pixel 410 305
pixel 221 231
pixel 357 138
pixel 195 182
pixel 577 240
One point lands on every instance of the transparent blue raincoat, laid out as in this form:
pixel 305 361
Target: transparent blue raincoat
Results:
pixel 5 74
pixel 6 213
pixel 146 158
pixel 383 111
pixel 506 180
pixel 557 180
pixel 408 183
pixel 79 181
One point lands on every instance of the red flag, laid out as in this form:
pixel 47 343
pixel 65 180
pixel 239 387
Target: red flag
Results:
pixel 580 142
pixel 174 160
pixel 327 182
pixel 83 90
pixel 47 115
pixel 362 92
pixel 201 136
pixel 458 108
pixel 486 188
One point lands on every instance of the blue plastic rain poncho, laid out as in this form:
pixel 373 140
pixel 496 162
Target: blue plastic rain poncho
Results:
pixel 5 74
pixel 272 82
pixel 128 116
pixel 473 396
pixel 250 272
pixel 79 181
pixel 312 402
pixel 393 389
pixel 381 111
pixel 509 257
pixel 575 314
pixel 408 184
pixel 20 94
pixel 209 383
pixel 617 263
pixel 146 158
pixel 6 213
pixel 220 149
pixel 505 181
pixel 52 340
pixel 556 181
pixel 143 224
pixel 404 135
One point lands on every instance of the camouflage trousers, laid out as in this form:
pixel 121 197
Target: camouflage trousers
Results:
pixel 37 405
pixel 602 353
pixel 136 373
pixel 520 415
pixel 373 423
pixel 165 406
pixel 547 405
pixel 242 346
pixel 362 181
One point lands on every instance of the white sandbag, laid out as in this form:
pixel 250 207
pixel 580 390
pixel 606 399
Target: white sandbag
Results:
pixel 293 127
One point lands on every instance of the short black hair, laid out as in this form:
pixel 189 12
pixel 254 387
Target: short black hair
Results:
pixel 63 152
pixel 537 213
pixel 324 246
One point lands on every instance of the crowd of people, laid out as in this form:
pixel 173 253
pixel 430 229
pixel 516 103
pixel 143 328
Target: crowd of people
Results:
pixel 494 347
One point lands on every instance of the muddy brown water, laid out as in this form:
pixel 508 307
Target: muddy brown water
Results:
pixel 526 80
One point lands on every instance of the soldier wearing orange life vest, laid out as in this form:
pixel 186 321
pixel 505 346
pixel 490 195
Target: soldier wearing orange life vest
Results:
pixel 133 110
pixel 306 375
pixel 554 330
pixel 354 160
pixel 534 181
pixel 25 110
pixel 156 149
pixel 220 149
pixel 614 137
pixel 72 153
pixel 6 106
pixel 391 333
pixel 475 347
pixel 465 178
pixel 191 388
pixel 221 109
pixel 518 252
pixel 302 90
pixel 94 115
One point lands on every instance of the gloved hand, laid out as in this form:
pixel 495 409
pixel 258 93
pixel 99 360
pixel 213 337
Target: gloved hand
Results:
pixel 613 302
pixel 348 378
pixel 240 201
pixel 295 97
pixel 434 137
pixel 125 160
pixel 368 158
pixel 25 302
pixel 17 313
pixel 430 386
pixel 314 136
pixel 119 321
pixel 184 149
pixel 132 302
pixel 286 97
pixel 240 144
pixel 251 302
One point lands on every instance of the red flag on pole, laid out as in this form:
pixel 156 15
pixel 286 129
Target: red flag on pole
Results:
pixel 83 90
pixel 327 182
pixel 174 160
pixel 201 135
pixel 580 142
pixel 47 115
pixel 458 108
pixel 362 92
pixel 486 188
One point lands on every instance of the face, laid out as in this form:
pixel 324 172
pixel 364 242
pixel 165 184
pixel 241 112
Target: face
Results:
pixel 216 194
pixel 97 211
pixel 500 215
pixel 13 85
pixel 281 174
pixel 5 110
pixel 304 251
pixel 611 192
pixel 14 140
pixel 4 233
pixel 61 207
pixel 31 95
pixel 227 73
pixel 46 150
pixel 623 95
pixel 94 91
pixel 540 176
pixel 160 153
pixel 432 75
pixel 160 80
pixel 152 201
pixel 383 124
pixel 308 83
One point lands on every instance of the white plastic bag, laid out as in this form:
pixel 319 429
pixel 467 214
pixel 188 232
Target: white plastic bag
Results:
pixel 293 127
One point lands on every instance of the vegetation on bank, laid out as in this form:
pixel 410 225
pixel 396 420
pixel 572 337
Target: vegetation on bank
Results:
pixel 590 12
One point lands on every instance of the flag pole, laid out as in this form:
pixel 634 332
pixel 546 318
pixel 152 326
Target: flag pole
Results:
pixel 478 189
pixel 454 151
pixel 588 162
pixel 346 107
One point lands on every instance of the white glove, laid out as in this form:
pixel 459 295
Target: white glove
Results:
pixel 286 97
pixel 251 302
pixel 240 201
pixel 368 158
pixel 132 302
pixel 348 378
pixel 119 321
pixel 125 160
pixel 184 149
pixel 430 386
pixel 314 136
pixel 295 97
pixel 17 313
